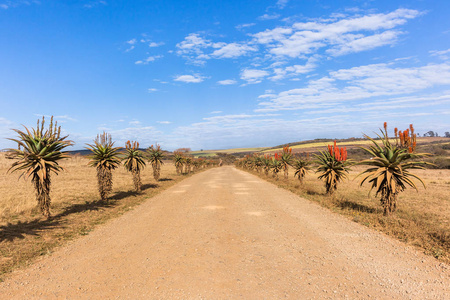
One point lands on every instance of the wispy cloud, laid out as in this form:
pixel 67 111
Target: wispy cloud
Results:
pixel 269 17
pixel 347 35
pixel 358 83
pixel 282 3
pixel 164 122
pixel 233 50
pixel 288 52
pixel 227 82
pixel 148 60
pixel 135 42
pixel 152 90
pixel 443 54
pixel 189 78
pixel 253 75
pixel 242 26
pixel 154 44
pixel 198 49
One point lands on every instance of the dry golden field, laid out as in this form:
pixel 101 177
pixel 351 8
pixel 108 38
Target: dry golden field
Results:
pixel 77 183
pixel 422 218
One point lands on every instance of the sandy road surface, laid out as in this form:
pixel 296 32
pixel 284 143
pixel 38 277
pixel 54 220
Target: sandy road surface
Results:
pixel 225 234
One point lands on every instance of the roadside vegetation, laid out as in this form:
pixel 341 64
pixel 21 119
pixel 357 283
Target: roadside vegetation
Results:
pixel 416 215
pixel 83 195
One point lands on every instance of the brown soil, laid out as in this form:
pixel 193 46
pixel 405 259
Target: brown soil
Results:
pixel 226 234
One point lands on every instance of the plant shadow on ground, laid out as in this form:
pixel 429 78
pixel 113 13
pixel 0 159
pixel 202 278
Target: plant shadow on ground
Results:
pixel 19 230
pixel 165 179
pixel 312 192
pixel 350 205
pixel 149 186
pixel 11 231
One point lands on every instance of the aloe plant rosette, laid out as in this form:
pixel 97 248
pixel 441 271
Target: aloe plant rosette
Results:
pixel 38 153
pixel 333 166
pixel 389 167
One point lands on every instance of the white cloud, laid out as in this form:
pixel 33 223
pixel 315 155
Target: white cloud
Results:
pixel 227 82
pixel 358 83
pixel 294 70
pixel 132 41
pixel 269 17
pixel 242 26
pixel 135 123
pixel 152 90
pixel 189 78
pixel 348 35
pixel 164 122
pixel 253 75
pixel 390 104
pixel 282 3
pixel 443 54
pixel 233 50
pixel 148 60
pixel 216 112
pixel 192 48
pixel 197 49
pixel 154 44
pixel 365 43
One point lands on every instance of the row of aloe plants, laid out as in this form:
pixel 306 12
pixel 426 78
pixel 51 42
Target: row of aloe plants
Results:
pixel 388 169
pixel 185 163
pixel 40 150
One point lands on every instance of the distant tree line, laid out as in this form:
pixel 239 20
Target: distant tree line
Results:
pixel 435 134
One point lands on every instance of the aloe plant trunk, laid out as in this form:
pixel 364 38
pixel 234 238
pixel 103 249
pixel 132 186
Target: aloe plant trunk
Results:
pixel 42 190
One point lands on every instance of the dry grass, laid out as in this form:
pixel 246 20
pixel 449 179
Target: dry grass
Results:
pixel 422 219
pixel 76 207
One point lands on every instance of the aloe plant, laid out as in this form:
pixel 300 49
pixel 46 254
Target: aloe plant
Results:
pixel 266 162
pixel 105 158
pixel 134 163
pixel 276 165
pixel 286 159
pixel 301 167
pixel 38 153
pixel 187 164
pixel 389 168
pixel 333 166
pixel 155 156
pixel 178 161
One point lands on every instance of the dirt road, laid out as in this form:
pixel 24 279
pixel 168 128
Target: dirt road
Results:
pixel 225 234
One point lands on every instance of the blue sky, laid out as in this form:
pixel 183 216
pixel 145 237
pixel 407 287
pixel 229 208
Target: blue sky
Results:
pixel 220 74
